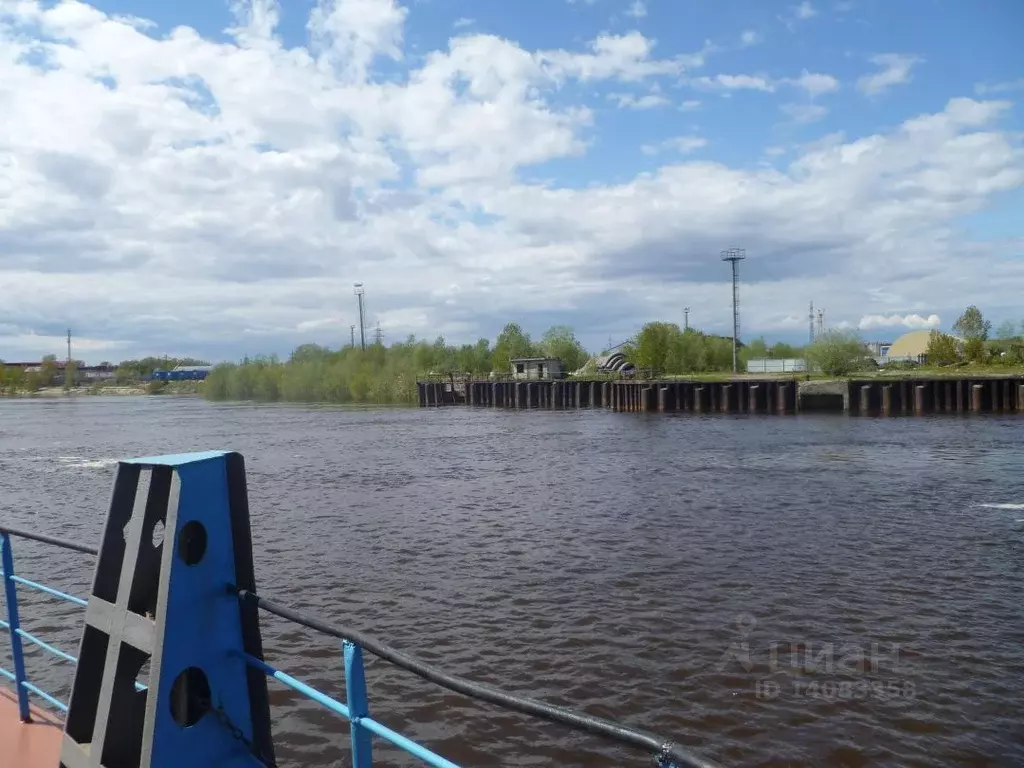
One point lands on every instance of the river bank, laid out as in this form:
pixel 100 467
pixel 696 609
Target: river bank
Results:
pixel 178 389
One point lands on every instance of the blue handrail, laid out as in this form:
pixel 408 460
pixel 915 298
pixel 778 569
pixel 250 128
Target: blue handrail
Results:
pixel 362 726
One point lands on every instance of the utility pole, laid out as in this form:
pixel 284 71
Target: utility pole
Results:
pixel 352 328
pixel 735 256
pixel 686 318
pixel 378 335
pixel 69 347
pixel 810 324
pixel 821 321
pixel 359 291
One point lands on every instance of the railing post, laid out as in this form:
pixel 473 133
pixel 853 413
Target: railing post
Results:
pixel 358 706
pixel 11 596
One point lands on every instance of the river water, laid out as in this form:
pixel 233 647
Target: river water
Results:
pixel 687 575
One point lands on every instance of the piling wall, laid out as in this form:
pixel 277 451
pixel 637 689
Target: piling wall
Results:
pixel 918 397
pixel 747 396
pixel 867 397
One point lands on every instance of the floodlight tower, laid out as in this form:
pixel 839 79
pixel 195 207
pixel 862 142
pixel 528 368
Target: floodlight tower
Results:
pixel 686 318
pixel 359 292
pixel 735 256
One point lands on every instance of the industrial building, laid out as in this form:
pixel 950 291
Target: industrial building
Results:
pixel 910 347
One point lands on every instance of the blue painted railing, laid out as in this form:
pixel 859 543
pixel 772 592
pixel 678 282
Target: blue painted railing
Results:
pixel 356 711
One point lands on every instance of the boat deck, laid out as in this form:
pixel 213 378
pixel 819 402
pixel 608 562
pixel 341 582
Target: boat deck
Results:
pixel 27 745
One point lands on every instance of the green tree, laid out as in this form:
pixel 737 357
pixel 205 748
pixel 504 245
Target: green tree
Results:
pixel 942 349
pixel 1007 330
pixel 49 372
pixel 70 375
pixel 511 343
pixel 782 351
pixel 972 325
pixel 756 349
pixel 974 349
pixel 657 348
pixel 560 341
pixel 837 352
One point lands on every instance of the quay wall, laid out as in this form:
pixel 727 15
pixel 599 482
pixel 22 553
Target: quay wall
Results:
pixel 861 397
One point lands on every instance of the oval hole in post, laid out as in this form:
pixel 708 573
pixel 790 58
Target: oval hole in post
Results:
pixel 190 697
pixel 158 534
pixel 192 542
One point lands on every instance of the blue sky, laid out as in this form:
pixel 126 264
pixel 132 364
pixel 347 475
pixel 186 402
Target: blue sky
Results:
pixel 209 178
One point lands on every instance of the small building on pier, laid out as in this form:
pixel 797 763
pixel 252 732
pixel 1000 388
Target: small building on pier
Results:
pixel 536 368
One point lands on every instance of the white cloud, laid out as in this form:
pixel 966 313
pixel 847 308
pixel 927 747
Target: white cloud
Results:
pixel 804 113
pixel 814 84
pixel 805 10
pixel 622 57
pixel 735 83
pixel 352 33
pixel 632 101
pixel 1010 85
pixel 463 22
pixel 171 193
pixel 894 69
pixel 681 144
pixel 913 321
pixel 637 9
pixel 749 37
pixel 689 105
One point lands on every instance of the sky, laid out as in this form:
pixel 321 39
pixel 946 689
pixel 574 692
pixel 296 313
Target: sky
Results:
pixel 211 177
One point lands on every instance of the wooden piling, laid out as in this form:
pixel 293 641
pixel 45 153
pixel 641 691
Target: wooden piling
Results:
pixel 919 391
pixel 887 400
pixel 753 394
pixel 977 395
pixel 726 397
pixel 865 400
pixel 783 395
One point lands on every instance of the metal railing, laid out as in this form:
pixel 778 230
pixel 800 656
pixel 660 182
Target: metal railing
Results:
pixel 362 727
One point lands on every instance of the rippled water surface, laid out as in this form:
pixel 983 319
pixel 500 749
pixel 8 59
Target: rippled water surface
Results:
pixel 640 567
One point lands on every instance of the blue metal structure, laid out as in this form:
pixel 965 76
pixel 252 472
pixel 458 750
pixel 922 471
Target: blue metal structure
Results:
pixel 205 618
pixel 183 373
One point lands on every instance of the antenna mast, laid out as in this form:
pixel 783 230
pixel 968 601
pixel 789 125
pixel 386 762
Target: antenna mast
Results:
pixel 359 291
pixel 735 256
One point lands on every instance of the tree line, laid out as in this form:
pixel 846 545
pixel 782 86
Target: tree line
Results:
pixel 51 373
pixel 388 374
pixel 380 374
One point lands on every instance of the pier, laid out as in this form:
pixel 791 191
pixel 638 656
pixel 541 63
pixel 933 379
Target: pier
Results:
pixel 860 397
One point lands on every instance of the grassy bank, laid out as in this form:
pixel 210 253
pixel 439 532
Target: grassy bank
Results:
pixel 373 378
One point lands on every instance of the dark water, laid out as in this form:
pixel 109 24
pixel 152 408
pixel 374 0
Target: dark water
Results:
pixel 620 564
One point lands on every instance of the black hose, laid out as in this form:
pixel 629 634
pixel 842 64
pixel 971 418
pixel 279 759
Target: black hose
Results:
pixel 50 540
pixel 664 750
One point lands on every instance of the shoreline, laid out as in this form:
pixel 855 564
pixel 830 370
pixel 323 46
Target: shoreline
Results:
pixel 130 390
